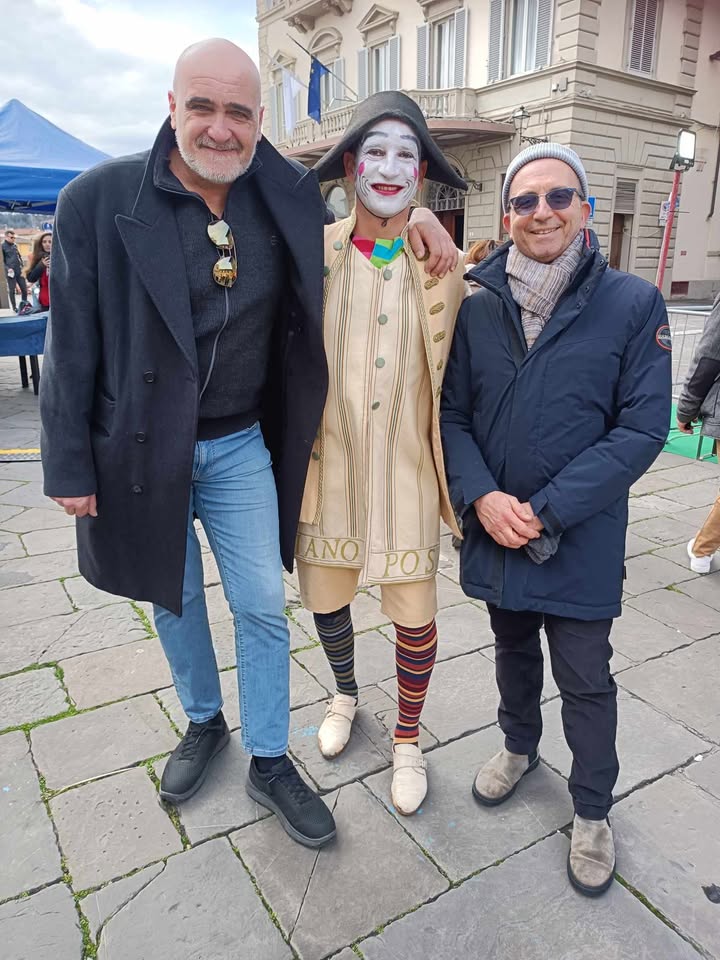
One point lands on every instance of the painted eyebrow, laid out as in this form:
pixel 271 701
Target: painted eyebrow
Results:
pixel 207 102
pixel 403 136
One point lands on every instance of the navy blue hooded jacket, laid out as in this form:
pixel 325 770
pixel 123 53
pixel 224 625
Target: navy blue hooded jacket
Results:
pixel 568 426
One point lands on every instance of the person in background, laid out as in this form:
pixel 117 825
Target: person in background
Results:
pixel 13 263
pixel 39 269
pixel 700 400
pixel 479 250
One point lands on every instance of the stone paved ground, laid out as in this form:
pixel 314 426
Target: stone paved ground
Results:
pixel 92 864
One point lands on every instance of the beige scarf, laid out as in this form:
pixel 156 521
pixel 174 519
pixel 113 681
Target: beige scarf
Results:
pixel 536 287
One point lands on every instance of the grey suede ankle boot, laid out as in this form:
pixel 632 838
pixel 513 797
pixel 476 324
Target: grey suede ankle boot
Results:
pixel 498 779
pixel 591 861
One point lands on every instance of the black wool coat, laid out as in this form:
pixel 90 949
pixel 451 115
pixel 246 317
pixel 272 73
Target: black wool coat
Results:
pixel 119 392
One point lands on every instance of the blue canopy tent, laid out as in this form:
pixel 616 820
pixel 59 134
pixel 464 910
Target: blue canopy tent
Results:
pixel 37 159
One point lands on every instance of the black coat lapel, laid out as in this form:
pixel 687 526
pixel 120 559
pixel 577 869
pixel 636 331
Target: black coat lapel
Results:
pixel 154 250
pixel 297 207
pixel 152 242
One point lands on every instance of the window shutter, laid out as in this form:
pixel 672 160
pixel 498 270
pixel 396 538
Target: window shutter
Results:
pixel 362 73
pixel 642 41
pixel 461 19
pixel 274 114
pixel 338 88
pixel 625 196
pixel 543 36
pixel 394 63
pixel 496 66
pixel 423 55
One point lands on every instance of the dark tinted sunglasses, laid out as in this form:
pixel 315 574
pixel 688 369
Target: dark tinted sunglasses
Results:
pixel 558 199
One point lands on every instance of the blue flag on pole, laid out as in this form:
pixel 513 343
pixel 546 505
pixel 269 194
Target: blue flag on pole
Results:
pixel 317 71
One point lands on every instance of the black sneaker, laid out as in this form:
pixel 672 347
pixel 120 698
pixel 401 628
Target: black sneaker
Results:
pixel 188 764
pixel 301 812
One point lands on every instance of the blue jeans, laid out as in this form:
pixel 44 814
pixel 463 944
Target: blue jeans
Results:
pixel 233 494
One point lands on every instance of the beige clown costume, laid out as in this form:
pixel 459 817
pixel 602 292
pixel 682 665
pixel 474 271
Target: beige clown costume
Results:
pixel 376 485
pixel 376 488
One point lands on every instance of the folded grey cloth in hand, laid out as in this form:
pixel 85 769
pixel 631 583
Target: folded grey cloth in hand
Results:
pixel 543 548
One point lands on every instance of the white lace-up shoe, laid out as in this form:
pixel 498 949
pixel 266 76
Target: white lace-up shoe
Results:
pixel 698 564
pixel 334 731
pixel 409 782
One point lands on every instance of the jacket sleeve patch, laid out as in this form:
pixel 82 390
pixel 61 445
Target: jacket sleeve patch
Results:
pixel 662 337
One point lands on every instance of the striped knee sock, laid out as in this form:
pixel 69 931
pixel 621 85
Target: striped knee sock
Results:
pixel 335 631
pixel 415 651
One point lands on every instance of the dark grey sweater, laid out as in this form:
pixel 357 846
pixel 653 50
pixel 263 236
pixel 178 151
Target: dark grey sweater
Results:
pixel 236 322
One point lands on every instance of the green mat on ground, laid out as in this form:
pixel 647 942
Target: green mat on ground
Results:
pixel 687 446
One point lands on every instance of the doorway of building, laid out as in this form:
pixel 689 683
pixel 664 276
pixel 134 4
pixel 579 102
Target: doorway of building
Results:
pixel 620 241
pixel 454 223
pixel 448 205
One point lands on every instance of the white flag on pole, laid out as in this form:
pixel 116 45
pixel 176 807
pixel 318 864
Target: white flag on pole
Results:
pixel 291 86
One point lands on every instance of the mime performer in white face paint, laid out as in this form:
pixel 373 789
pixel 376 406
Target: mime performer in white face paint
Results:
pixel 376 486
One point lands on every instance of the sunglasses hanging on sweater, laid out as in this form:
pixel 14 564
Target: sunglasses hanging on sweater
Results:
pixel 225 270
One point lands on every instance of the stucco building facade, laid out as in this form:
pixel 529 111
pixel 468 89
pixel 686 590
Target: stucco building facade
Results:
pixel 615 79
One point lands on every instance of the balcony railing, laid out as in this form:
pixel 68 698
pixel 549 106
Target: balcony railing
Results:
pixel 459 103
pixel 302 14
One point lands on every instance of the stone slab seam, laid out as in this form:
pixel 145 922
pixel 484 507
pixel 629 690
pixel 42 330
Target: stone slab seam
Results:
pixel 312 874
pixel 647 903
pixel 143 618
pixel 170 720
pixel 696 733
pixel 71 711
pixel 391 810
pixel 122 906
pixel 170 809
pixel 271 913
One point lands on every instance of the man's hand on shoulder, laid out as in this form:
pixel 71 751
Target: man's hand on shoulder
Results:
pixel 78 506
pixel 509 522
pixel 430 241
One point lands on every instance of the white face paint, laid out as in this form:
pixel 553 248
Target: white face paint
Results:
pixel 387 166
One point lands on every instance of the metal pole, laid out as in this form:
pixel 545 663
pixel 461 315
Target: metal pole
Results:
pixel 313 57
pixel 668 230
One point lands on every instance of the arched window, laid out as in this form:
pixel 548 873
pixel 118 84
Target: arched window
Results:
pixel 441 197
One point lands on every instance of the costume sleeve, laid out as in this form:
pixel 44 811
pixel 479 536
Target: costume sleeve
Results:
pixel 467 473
pixel 704 370
pixel 72 350
pixel 606 470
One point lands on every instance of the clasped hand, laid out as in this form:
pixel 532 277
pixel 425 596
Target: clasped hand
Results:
pixel 509 522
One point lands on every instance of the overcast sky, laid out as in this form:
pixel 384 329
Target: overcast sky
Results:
pixel 101 69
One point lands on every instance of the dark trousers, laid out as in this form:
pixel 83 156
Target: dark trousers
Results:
pixel 580 655
pixel 18 279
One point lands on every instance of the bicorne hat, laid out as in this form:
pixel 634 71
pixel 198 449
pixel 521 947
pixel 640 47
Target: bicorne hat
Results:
pixel 382 106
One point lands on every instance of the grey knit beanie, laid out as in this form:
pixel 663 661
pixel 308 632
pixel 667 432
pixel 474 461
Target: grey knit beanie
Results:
pixel 544 151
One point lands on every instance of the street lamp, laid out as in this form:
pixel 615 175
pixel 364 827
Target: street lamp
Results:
pixel 684 159
pixel 519 118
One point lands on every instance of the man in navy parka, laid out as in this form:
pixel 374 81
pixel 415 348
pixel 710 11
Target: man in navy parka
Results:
pixel 556 400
